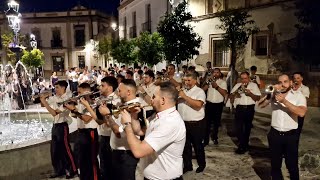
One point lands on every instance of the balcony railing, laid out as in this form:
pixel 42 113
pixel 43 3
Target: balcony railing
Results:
pixel 133 31
pixel 56 43
pixel 146 27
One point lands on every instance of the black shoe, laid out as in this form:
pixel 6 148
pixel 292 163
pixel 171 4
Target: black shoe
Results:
pixel 55 176
pixel 240 151
pixel 187 169
pixel 200 169
pixel 70 176
pixel 215 142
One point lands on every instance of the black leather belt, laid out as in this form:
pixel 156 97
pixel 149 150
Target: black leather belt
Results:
pixel 246 106
pixel 285 133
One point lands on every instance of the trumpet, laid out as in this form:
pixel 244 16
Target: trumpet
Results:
pixel 117 110
pixel 46 93
pixel 270 89
pixel 99 101
pixel 164 77
pixel 242 89
pixel 253 77
pixel 210 80
pixel 77 98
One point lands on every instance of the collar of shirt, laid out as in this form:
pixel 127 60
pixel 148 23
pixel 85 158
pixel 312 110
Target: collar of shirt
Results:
pixel 191 89
pixel 166 112
pixel 63 96
pixel 150 85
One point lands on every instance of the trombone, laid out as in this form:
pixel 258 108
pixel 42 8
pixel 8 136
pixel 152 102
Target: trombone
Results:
pixel 77 98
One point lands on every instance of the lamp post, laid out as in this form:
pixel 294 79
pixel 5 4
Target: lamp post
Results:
pixel 13 17
pixel 33 41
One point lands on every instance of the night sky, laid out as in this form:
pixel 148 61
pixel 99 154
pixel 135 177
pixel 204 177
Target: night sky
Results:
pixel 107 6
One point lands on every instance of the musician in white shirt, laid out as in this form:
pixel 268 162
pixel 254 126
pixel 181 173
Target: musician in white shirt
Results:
pixel 244 95
pixel 254 78
pixel 216 91
pixel 299 86
pixel 283 137
pixel 88 134
pixel 123 161
pixel 161 150
pixel 61 153
pixel 191 108
pixel 148 88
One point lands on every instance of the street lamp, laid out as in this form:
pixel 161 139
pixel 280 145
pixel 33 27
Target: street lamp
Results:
pixel 14 16
pixel 33 41
pixel 114 26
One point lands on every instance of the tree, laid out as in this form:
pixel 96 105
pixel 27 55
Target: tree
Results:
pixel 180 41
pixel 238 28
pixel 124 51
pixel 306 45
pixel 105 47
pixel 33 59
pixel 150 48
pixel 7 39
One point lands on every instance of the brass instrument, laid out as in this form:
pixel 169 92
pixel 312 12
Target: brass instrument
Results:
pixel 253 77
pixel 270 89
pixel 117 110
pixel 45 93
pixel 76 98
pixel 99 101
pixel 210 80
pixel 164 77
pixel 242 89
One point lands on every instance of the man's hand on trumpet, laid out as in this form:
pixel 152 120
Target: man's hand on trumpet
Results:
pixel 104 111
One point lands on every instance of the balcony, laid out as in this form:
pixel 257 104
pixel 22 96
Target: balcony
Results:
pixel 56 43
pixel 133 31
pixel 146 27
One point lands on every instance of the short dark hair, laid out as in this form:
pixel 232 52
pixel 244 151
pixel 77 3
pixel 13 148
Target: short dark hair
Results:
pixel 184 67
pixel 62 83
pixel 193 75
pixel 284 74
pixel 140 72
pixel 191 68
pixel 172 65
pixel 150 73
pixel 130 73
pixel 120 76
pixel 84 86
pixel 217 69
pixel 244 72
pixel 111 81
pixel 253 68
pixel 129 82
pixel 169 90
pixel 298 72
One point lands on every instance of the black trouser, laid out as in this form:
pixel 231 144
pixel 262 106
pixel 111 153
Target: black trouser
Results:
pixel 213 116
pixel 194 137
pixel 61 153
pixel 70 85
pixel 124 165
pixel 75 87
pixel 284 144
pixel 105 157
pixel 243 119
pixel 88 152
pixel 300 124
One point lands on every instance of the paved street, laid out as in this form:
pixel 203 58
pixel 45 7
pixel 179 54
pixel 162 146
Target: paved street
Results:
pixel 223 163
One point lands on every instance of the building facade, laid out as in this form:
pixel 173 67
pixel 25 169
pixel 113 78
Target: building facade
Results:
pixel 67 39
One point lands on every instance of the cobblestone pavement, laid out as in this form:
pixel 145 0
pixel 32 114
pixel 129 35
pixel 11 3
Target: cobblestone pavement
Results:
pixel 224 164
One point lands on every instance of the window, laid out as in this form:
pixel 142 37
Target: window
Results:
pixel 220 53
pixel 133 29
pixel 58 63
pixel 260 43
pixel 82 62
pixel 214 6
pixel 79 35
pixel 125 28
pixel 146 26
pixel 36 32
pixel 56 41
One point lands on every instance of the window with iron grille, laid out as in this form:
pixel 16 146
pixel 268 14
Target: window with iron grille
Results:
pixel 261 45
pixel 58 63
pixel 82 62
pixel 79 35
pixel 220 53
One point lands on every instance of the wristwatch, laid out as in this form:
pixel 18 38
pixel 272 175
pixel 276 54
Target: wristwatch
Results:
pixel 122 127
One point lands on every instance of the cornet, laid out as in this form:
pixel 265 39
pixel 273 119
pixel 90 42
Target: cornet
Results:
pixel 99 101
pixel 242 89
pixel 117 110
pixel 77 98
pixel 210 80
pixel 253 77
pixel 46 93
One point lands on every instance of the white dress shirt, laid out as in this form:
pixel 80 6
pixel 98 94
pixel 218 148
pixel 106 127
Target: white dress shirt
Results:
pixel 246 100
pixel 213 95
pixel 53 103
pixel 189 114
pixel 304 90
pixel 121 143
pixel 166 135
pixel 103 129
pixel 282 119
pixel 92 124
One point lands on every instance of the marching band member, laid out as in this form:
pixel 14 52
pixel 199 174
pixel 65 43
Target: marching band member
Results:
pixel 299 86
pixel 123 161
pixel 108 86
pixel 161 150
pixel 148 87
pixel 254 78
pixel 88 135
pixel 171 73
pixel 61 153
pixel 191 108
pixel 283 136
pixel 206 74
pixel 244 95
pixel 216 91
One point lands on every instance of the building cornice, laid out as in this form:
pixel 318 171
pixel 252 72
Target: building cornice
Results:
pixel 214 15
pixel 124 4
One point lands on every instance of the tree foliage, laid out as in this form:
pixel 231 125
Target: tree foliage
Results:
pixel 105 47
pixel 238 28
pixel 306 45
pixel 150 48
pixel 180 41
pixel 7 39
pixel 124 51
pixel 33 58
